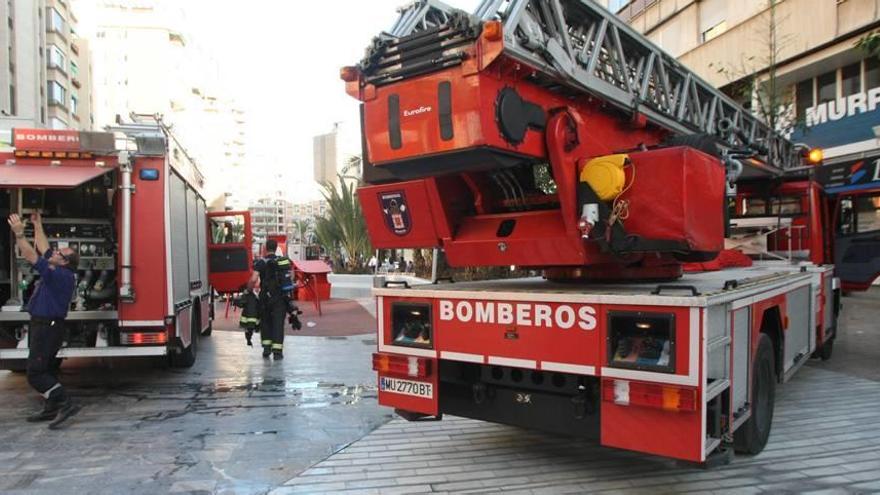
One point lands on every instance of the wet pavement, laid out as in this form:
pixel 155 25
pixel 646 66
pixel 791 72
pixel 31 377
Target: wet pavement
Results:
pixel 234 423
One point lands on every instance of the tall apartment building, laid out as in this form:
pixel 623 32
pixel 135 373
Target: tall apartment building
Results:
pixel 271 215
pixel 334 151
pixel 830 88
pixel 146 61
pixel 46 73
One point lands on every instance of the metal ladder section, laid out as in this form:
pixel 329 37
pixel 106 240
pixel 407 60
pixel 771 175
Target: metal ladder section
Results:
pixel 581 45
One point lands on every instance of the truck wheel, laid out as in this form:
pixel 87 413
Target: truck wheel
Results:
pixel 207 332
pixel 751 437
pixel 827 349
pixel 187 357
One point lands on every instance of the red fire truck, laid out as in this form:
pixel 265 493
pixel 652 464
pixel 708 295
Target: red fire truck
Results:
pixel 129 201
pixel 549 135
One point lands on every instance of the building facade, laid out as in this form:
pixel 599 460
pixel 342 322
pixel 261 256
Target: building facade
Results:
pixel 337 153
pixel 146 62
pixel 829 88
pixel 46 78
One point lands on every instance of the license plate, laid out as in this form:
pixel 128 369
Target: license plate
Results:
pixel 406 387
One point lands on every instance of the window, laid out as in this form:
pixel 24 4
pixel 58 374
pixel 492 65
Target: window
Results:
pixel 872 73
pixel 827 86
pixel 804 97
pixel 12 100
pixel 74 69
pixel 56 93
pixel 74 103
pixel 56 21
pixel 714 31
pixel 851 81
pixel 867 213
pixel 57 123
pixel 56 58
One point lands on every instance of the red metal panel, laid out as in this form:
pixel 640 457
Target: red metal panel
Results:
pixel 401 401
pixel 656 431
pixel 557 332
pixel 64 176
pixel 148 272
pixel 539 238
pixel 399 215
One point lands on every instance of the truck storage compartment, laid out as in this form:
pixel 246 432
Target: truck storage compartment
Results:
pixel 676 194
pixel 399 215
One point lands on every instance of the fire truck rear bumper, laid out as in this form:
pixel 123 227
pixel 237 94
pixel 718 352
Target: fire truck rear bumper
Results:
pixel 74 352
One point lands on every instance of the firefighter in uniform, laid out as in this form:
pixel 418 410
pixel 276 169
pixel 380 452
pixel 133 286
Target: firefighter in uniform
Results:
pixel 273 272
pixel 48 308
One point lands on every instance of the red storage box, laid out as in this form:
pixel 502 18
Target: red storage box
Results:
pixel 399 215
pixel 677 194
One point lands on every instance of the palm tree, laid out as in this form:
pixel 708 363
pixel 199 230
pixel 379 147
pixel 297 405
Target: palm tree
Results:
pixel 344 230
pixel 302 228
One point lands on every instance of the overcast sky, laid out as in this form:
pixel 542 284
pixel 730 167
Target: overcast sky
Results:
pixel 281 60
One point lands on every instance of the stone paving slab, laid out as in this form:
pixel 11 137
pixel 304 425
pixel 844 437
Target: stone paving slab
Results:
pixel 825 439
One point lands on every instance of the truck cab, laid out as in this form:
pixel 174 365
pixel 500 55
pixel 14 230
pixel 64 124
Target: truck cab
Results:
pixel 802 220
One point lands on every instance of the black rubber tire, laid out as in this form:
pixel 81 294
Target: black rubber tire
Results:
pixel 827 349
pixel 208 331
pixel 187 356
pixel 702 142
pixel 751 437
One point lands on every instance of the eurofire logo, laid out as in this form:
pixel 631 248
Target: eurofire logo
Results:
pixel 563 316
pixel 417 111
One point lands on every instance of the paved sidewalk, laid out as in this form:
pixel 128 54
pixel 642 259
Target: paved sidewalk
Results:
pixel 817 444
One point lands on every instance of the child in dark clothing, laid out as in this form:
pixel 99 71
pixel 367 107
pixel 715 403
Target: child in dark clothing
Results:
pixel 250 314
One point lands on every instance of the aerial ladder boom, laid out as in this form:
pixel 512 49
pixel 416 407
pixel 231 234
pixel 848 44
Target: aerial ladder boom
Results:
pixel 549 134
pixel 580 44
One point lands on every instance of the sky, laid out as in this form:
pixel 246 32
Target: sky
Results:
pixel 281 58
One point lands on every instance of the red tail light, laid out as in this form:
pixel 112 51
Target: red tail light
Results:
pixel 394 364
pixel 143 338
pixel 668 397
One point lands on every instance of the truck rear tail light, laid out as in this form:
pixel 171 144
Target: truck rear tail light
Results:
pixel 143 338
pixel 393 364
pixel 668 397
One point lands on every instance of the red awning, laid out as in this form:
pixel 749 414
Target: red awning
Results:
pixel 48 176
pixel 312 266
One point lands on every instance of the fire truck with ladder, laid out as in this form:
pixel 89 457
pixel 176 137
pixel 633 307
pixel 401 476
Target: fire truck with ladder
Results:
pixel 129 201
pixel 549 135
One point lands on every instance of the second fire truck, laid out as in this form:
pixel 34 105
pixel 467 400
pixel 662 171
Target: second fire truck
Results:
pixel 129 200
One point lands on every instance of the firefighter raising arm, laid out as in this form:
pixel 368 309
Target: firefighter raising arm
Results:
pixel 40 241
pixel 27 251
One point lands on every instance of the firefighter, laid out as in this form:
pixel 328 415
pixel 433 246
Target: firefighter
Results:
pixel 250 314
pixel 48 307
pixel 276 284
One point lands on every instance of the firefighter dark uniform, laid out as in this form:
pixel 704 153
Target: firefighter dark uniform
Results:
pixel 250 314
pixel 48 308
pixel 275 287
